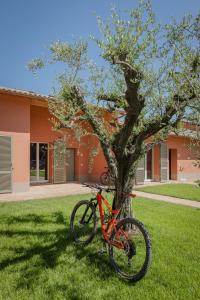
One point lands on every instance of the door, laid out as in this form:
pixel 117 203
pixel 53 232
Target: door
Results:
pixel 173 164
pixel 5 164
pixel 70 162
pixel 170 164
pixel 148 165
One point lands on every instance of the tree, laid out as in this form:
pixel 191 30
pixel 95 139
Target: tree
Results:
pixel 194 118
pixel 149 79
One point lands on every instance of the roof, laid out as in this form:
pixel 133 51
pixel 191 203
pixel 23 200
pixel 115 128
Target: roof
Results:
pixel 190 122
pixel 23 93
pixel 181 132
pixel 186 133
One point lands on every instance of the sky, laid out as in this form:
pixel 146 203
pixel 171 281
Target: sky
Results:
pixel 28 27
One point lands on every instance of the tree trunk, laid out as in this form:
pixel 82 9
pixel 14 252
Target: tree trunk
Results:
pixel 127 209
pixel 122 199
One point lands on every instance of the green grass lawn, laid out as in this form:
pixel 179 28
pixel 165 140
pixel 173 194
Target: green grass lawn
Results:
pixel 38 259
pixel 179 190
pixel 34 173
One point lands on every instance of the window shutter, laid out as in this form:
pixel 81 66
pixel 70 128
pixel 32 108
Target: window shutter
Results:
pixel 5 164
pixel 139 178
pixel 59 162
pixel 163 162
pixel 70 165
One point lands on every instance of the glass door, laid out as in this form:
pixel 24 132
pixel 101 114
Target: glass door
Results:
pixel 38 162
pixel 33 162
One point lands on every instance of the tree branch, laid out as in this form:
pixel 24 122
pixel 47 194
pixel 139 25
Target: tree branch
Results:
pixel 177 105
pixel 126 65
pixel 110 98
pixel 135 105
pixel 99 131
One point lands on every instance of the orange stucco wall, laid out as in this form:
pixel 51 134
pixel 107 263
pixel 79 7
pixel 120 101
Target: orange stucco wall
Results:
pixel 182 160
pixel 41 131
pixel 185 158
pixel 15 122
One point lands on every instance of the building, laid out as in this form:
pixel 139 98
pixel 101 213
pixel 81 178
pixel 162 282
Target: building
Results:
pixel 30 149
pixel 172 160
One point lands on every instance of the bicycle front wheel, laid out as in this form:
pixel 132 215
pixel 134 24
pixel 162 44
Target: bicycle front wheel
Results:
pixel 130 249
pixel 83 222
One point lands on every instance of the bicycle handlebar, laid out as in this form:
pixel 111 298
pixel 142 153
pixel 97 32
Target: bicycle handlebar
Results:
pixel 106 189
pixel 99 187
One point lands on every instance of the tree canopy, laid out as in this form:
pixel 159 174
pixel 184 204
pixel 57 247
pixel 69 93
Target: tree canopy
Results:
pixel 149 82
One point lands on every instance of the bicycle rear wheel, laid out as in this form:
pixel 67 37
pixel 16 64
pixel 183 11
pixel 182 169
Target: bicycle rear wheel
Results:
pixel 83 222
pixel 132 260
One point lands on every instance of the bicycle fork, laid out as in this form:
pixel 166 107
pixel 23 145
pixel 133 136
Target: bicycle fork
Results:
pixel 83 221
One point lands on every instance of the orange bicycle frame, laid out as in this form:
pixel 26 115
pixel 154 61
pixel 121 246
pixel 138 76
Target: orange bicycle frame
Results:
pixel 111 224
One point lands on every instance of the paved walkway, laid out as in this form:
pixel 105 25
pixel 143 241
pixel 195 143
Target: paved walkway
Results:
pixel 59 190
pixel 174 200
pixel 46 191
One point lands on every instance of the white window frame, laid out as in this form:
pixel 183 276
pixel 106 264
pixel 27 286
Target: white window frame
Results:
pixel 37 163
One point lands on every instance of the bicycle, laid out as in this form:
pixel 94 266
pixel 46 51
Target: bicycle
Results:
pixel 129 244
pixel 106 177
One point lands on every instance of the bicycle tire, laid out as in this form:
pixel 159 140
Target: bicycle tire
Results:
pixel 79 211
pixel 133 250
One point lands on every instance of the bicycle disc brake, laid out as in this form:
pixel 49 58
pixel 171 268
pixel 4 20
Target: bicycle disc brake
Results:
pixel 129 248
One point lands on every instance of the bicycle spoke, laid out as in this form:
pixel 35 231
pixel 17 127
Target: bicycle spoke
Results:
pixel 132 259
pixel 83 226
pixel 83 222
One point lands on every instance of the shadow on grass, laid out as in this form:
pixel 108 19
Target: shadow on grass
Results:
pixel 48 253
pixel 55 218
pixel 49 244
pixel 93 256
